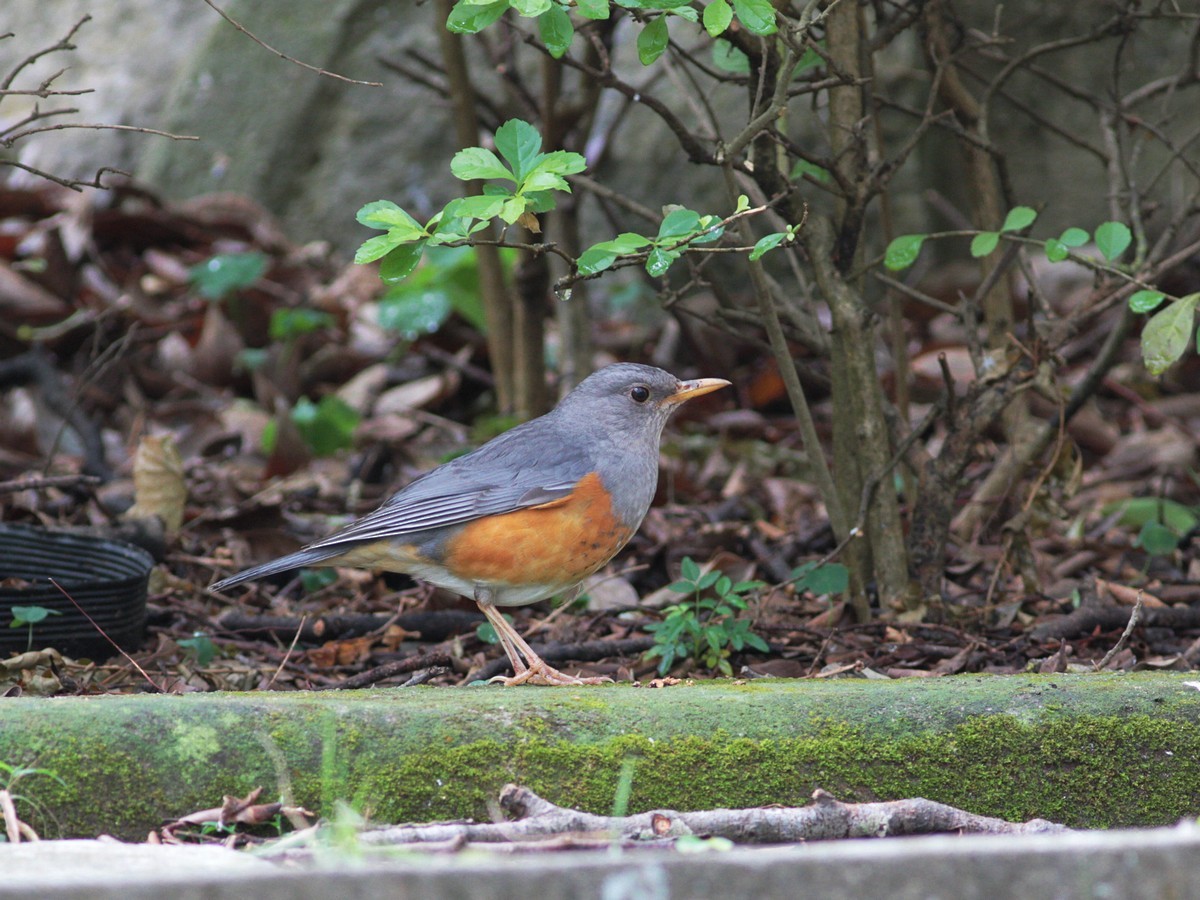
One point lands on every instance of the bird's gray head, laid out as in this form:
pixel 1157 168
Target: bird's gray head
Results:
pixel 629 402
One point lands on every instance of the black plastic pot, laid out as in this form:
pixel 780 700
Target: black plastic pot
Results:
pixel 107 579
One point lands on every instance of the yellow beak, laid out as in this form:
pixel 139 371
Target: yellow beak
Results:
pixel 696 388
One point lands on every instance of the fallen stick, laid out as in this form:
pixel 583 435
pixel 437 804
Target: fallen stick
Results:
pixel 826 818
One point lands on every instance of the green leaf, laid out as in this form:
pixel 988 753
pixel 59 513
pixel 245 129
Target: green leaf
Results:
pixel 270 437
pixel 413 313
pixel 1157 540
pixel 708 579
pixel 1112 238
pixel 743 587
pixel 681 587
pixel 831 578
pixel 227 272
pixel 373 248
pixel 764 244
pixel 717 16
pixel 595 259
pixel 659 261
pixel 1146 301
pixel 628 242
pixel 810 59
pixel 686 12
pixel 513 209
pixel 1056 250
pixel 383 215
pixel 482 206
pixel 200 645
pixel 530 9
pixel 327 426
pixel 486 632
pixel 689 569
pixel 520 145
pixel 593 9
pixel 600 256
pixel 288 324
pixel 399 263
pixel 1166 334
pixel 1137 511
pixel 478 162
pixel 561 162
pixel 902 251
pixel 710 230
pixel 652 40
pixel 471 18
pixel 804 167
pixel 30 615
pixel 313 580
pixel 984 243
pixel 547 173
pixel 556 30
pixel 679 222
pixel 724 585
pixel 729 58
pixel 1074 237
pixel 1018 217
pixel 757 15
pixel 753 640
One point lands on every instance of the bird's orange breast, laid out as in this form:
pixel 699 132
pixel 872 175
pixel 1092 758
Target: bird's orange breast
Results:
pixel 557 543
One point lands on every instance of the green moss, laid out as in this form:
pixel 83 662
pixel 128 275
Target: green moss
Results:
pixel 1095 751
pixel 195 744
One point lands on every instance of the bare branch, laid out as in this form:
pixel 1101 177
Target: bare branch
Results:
pixel 825 818
pixel 63 44
pixel 228 18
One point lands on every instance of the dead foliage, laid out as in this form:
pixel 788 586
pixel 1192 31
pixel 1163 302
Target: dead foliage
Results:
pixel 128 395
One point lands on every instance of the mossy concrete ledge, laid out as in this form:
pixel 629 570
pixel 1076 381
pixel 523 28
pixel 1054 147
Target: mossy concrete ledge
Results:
pixel 1089 751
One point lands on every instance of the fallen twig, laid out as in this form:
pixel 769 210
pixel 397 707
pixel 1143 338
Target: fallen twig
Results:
pixel 1116 648
pixel 587 651
pixel 388 670
pixel 824 819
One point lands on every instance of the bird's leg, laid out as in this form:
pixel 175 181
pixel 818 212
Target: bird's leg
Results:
pixel 532 669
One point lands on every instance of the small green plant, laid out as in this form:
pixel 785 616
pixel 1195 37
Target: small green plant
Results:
pixel 225 273
pixel 814 578
pixel 1162 523
pixel 1166 334
pixel 447 281
pixel 30 616
pixel 326 426
pixel 705 628
pixel 486 632
pixel 288 324
pixel 201 647
pixel 519 184
pixel 10 777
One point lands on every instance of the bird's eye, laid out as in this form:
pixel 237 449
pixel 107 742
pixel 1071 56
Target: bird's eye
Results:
pixel 639 393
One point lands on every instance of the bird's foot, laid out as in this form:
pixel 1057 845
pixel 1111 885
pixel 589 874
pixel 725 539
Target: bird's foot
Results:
pixel 543 673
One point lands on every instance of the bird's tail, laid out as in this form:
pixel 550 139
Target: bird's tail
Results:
pixel 309 556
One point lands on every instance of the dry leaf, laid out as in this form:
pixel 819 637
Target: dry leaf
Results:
pixel 158 482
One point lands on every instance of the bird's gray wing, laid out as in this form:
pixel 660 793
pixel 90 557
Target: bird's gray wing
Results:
pixel 506 474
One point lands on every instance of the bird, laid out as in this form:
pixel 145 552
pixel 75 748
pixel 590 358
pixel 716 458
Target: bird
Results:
pixel 529 514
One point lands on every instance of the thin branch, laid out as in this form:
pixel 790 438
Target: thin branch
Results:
pixel 63 44
pixel 228 18
pixel 63 126
pixel 1124 638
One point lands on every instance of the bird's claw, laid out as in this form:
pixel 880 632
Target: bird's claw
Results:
pixel 546 675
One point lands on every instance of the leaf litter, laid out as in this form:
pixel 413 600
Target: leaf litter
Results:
pixel 166 349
